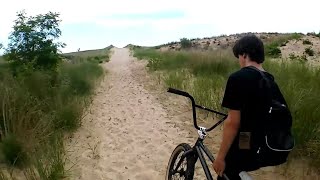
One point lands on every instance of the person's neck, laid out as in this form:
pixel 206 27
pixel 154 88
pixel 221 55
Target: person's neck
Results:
pixel 252 63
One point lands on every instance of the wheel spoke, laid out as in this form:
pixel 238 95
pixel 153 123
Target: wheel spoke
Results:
pixel 181 171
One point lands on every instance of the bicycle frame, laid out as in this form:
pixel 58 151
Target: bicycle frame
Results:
pixel 198 149
pixel 197 152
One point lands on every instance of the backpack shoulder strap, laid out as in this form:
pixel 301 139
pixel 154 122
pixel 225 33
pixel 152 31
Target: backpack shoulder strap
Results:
pixel 265 83
pixel 263 76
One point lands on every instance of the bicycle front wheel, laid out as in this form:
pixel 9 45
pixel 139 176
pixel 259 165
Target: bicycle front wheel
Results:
pixel 185 170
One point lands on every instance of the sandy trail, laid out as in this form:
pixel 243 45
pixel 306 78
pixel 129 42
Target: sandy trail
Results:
pixel 127 134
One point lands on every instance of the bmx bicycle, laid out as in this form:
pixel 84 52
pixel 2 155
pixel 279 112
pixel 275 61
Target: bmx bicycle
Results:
pixel 183 158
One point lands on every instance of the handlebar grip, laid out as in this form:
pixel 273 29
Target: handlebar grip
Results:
pixel 176 91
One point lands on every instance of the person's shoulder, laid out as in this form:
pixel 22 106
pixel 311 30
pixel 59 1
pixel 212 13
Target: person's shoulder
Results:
pixel 248 73
pixel 241 74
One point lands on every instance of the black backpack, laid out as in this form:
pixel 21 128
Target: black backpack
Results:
pixel 277 140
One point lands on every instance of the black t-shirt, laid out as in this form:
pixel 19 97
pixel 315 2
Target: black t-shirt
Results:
pixel 243 92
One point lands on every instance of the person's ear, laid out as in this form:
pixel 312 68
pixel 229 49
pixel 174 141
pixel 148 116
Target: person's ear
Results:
pixel 244 56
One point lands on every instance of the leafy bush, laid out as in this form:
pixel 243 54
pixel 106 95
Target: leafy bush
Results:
pixel 185 43
pixel 306 41
pixel 309 51
pixel 272 50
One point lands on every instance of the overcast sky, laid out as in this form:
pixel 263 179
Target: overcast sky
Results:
pixel 90 24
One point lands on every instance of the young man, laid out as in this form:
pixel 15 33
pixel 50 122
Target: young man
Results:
pixel 246 108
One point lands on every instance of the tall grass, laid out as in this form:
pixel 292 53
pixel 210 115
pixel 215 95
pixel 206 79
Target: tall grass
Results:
pixel 36 108
pixel 204 75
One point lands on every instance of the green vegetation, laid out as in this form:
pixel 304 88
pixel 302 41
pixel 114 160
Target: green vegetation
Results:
pixel 12 150
pixel 204 75
pixel 167 44
pixel 307 42
pixel 185 69
pixel 41 98
pixel 33 41
pixel 314 34
pixel 273 50
pixel 98 55
pixel 309 51
pixel 272 45
pixel 185 43
pixel 301 59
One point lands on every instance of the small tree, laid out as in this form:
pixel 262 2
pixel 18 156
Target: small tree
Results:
pixel 185 43
pixel 33 40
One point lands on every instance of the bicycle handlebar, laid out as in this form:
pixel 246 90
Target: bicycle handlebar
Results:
pixel 194 114
pixel 194 105
pixel 178 92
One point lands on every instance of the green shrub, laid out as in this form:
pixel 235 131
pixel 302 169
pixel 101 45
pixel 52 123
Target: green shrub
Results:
pixel 68 116
pixel 295 36
pixel 78 77
pixel 301 59
pixel 185 43
pixel 11 150
pixel 284 43
pixel 306 41
pixel 272 50
pixel 309 51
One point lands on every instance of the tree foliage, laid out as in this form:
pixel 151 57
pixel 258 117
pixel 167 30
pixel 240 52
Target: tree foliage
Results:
pixel 34 40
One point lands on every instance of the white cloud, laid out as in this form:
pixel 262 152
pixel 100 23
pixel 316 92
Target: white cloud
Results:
pixel 215 17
